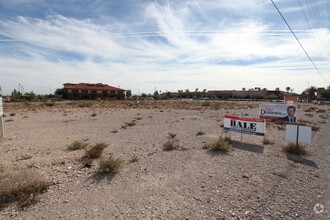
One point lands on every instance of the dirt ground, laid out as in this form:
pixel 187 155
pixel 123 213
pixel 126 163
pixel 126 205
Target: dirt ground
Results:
pixel 255 181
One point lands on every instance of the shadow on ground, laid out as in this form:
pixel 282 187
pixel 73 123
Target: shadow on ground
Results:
pixel 248 147
pixel 98 177
pixel 300 159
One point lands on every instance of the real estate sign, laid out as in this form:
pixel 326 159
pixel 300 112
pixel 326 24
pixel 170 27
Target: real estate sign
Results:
pixel 254 126
pixel 277 111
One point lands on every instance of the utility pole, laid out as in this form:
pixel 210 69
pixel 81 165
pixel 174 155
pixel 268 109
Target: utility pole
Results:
pixel 2 131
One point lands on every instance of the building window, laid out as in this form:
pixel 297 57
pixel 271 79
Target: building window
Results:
pixel 105 92
pixel 93 91
pixel 84 91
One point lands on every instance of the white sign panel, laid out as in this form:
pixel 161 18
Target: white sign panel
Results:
pixel 254 126
pixel 278 112
pixel 1 107
pixel 304 134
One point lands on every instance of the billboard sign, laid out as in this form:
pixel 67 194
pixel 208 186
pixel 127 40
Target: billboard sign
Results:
pixel 283 112
pixel 254 126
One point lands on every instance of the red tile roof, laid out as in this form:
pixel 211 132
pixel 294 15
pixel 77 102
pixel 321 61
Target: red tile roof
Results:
pixel 91 86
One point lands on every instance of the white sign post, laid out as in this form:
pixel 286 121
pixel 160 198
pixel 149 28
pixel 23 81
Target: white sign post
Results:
pixel 298 134
pixel 1 118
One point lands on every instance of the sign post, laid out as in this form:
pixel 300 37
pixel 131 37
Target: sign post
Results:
pixel 1 118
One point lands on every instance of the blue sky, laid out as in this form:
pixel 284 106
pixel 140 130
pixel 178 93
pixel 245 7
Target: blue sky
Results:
pixel 145 45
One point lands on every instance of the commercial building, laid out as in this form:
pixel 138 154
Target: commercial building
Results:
pixel 92 91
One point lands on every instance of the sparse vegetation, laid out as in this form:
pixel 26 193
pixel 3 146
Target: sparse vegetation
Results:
pixel 320 110
pixel 315 128
pixel 83 104
pixel 50 103
pixel 220 145
pixel 206 103
pixel 280 122
pixel 280 174
pixel 134 159
pixel 281 128
pixel 323 116
pixel 95 151
pixel 24 157
pixel 309 114
pixel 171 135
pixel 20 186
pixel 94 114
pixel 171 145
pixel 293 148
pixel 267 141
pixel 310 109
pixel 77 145
pixel 110 165
pixel 12 114
pixel 200 133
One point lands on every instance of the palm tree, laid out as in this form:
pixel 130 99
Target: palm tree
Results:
pixel 287 89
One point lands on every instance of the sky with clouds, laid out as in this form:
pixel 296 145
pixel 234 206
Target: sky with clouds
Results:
pixel 167 45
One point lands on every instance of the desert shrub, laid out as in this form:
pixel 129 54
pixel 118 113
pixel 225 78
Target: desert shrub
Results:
pixel 310 109
pixel 293 148
pixel 206 103
pixel 279 122
pixel 50 103
pixel 220 145
pixel 94 114
pixel 77 145
pixel 110 165
pixel 267 141
pixel 171 135
pixel 95 151
pixel 171 145
pixel 132 123
pixel 12 114
pixel 315 128
pixel 21 186
pixel 228 139
pixel 83 104
pixel 323 116
pixel 280 128
pixel 87 161
pixel 24 157
pixel 200 133
pixel 134 159
pixel 320 110
pixel 309 114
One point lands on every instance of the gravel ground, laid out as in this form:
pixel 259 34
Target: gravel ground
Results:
pixel 255 181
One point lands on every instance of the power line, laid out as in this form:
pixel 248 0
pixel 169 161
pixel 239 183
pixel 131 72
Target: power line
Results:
pixel 299 41
pixel 318 44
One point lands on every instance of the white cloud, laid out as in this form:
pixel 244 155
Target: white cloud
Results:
pixel 178 51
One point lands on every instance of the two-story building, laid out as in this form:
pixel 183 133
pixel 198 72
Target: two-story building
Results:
pixel 92 91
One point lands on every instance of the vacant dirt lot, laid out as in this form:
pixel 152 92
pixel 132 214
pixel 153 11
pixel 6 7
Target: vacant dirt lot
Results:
pixel 255 181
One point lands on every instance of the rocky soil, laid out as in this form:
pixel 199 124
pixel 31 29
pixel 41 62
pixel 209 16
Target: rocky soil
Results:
pixel 255 181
